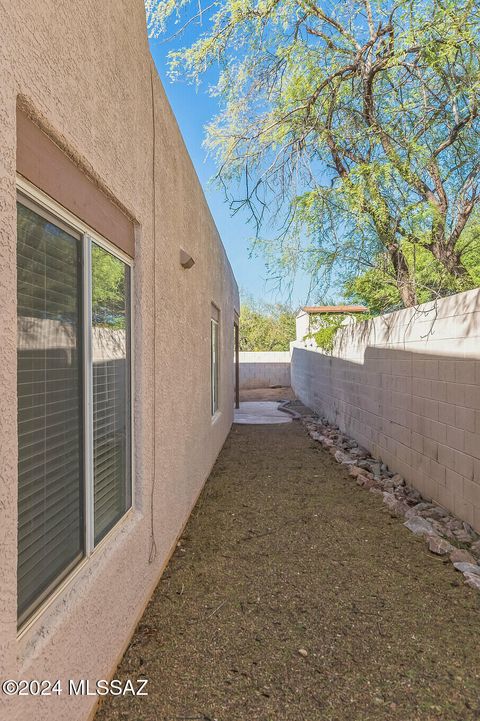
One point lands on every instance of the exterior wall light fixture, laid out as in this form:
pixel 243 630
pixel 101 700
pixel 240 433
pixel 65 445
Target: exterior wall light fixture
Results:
pixel 186 260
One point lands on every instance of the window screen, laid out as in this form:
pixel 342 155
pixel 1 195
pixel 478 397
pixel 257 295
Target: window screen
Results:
pixel 111 388
pixel 50 410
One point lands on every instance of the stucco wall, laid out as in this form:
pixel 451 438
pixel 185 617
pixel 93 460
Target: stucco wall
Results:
pixel 407 387
pixel 83 71
pixel 263 370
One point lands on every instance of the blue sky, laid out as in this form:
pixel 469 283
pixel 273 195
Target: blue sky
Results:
pixel 193 109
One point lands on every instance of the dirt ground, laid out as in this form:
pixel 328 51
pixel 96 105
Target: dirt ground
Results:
pixel 294 596
pixel 267 394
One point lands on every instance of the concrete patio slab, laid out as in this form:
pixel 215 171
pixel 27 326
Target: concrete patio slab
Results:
pixel 260 412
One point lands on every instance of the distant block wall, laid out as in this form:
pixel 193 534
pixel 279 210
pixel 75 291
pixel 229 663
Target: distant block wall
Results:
pixel 263 370
pixel 407 387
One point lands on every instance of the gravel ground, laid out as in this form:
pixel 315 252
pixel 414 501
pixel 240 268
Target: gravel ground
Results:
pixel 294 596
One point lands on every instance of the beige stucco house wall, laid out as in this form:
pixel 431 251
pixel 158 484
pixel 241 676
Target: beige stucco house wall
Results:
pixel 84 73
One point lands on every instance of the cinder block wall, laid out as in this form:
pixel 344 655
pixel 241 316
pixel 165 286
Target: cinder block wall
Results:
pixel 262 370
pixel 407 386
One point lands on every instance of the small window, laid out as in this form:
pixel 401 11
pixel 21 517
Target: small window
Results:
pixel 73 382
pixel 214 328
pixel 111 384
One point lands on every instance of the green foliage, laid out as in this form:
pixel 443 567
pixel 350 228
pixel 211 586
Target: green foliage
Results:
pixel 266 327
pixel 377 286
pixel 330 324
pixel 352 127
pixel 108 289
pixel 325 336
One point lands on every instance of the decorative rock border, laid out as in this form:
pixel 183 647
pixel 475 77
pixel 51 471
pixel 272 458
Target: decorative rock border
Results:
pixel 443 533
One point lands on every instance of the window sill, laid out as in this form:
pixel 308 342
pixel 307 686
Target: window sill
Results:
pixel 216 417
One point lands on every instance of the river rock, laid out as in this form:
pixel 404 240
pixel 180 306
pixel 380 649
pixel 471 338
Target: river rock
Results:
pixel 356 471
pixel 475 548
pixel 341 457
pixel 396 507
pixel 365 481
pixel 472 580
pixel 467 568
pixel 420 526
pixel 413 495
pixel 435 513
pixel 438 545
pixel 462 535
pixel 459 555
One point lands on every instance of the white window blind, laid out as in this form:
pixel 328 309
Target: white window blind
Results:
pixel 50 407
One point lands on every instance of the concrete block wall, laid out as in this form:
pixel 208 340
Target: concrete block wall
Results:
pixel 262 370
pixel 407 386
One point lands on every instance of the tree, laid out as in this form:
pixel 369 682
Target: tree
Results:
pixel 354 124
pixel 266 327
pixel 377 289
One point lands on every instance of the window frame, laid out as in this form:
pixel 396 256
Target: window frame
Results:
pixel 215 377
pixel 45 206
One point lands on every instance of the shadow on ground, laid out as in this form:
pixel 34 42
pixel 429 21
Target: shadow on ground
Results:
pixel 295 597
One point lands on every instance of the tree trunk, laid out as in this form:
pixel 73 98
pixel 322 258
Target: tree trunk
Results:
pixel 405 282
pixel 407 293
pixel 449 258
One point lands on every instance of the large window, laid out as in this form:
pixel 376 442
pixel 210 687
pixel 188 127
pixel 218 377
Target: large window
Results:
pixel 214 359
pixel 74 465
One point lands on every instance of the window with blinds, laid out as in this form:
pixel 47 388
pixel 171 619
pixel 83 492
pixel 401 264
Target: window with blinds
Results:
pixel 50 406
pixel 214 355
pixel 74 410
pixel 111 388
